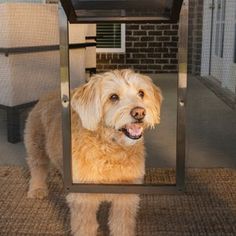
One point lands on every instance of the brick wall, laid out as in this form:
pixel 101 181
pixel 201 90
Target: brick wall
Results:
pixel 195 36
pixel 152 48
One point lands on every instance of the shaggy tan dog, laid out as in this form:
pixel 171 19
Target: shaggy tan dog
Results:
pixel 109 115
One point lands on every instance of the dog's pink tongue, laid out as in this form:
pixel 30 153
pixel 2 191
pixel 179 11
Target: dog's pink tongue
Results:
pixel 134 129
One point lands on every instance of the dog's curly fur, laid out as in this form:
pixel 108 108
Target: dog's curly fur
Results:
pixel 109 114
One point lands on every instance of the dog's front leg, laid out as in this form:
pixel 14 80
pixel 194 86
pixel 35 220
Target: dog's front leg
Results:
pixel 83 209
pixel 122 218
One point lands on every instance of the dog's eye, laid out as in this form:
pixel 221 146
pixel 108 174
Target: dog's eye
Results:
pixel 141 93
pixel 114 97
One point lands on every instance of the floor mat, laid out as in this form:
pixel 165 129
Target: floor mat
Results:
pixel 208 206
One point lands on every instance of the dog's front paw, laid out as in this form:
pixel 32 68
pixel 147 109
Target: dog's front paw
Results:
pixel 38 193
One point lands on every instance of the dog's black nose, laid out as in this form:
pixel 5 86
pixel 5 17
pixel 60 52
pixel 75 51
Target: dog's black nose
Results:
pixel 138 113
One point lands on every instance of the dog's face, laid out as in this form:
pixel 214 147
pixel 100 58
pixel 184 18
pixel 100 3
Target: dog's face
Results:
pixel 121 102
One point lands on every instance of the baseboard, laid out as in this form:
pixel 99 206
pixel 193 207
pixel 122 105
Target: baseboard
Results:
pixel 224 94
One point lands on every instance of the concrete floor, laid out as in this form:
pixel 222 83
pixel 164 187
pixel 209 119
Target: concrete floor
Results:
pixel 211 130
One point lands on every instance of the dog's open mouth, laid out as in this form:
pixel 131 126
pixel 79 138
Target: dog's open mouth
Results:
pixel 133 130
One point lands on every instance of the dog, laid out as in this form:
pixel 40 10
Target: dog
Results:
pixel 108 117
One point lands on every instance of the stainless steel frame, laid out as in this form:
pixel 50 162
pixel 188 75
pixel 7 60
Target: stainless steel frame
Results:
pixel 180 138
pixel 181 96
pixel 94 11
pixel 65 98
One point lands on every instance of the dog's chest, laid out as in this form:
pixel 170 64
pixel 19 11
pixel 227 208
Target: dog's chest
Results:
pixel 101 163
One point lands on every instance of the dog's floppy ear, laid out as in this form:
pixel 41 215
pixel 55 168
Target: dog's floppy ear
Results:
pixel 158 100
pixel 86 101
pixel 157 95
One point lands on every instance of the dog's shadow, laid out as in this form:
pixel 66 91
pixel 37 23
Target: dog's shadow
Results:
pixel 102 218
pixel 57 197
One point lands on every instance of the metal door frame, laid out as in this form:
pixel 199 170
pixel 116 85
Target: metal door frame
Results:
pixel 181 119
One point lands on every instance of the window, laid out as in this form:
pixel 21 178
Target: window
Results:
pixel 235 45
pixel 235 39
pixel 220 28
pixel 110 37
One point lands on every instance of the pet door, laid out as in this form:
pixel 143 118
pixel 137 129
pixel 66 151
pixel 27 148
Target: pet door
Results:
pixel 129 11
